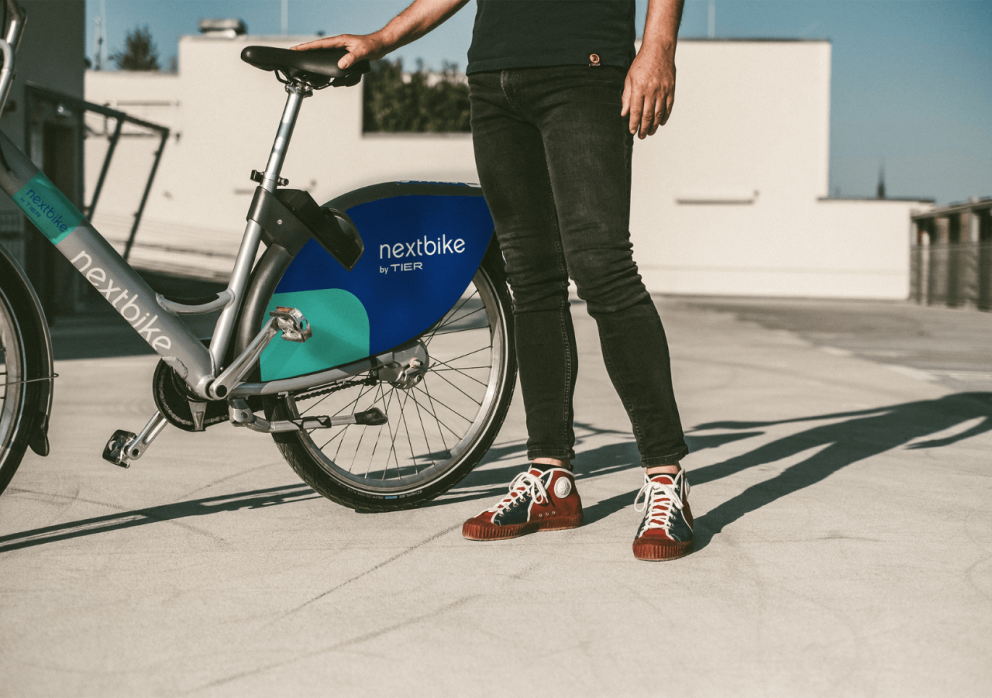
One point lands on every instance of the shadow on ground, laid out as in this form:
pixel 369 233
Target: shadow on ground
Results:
pixel 255 499
pixel 861 434
pixel 857 436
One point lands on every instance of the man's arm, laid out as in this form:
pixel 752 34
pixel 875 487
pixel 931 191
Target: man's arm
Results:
pixel 409 25
pixel 649 92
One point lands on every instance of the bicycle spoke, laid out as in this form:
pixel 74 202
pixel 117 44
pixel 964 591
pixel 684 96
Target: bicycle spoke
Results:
pixel 477 402
pixel 433 412
pixel 487 348
pixel 447 320
pixel 461 371
pixel 408 439
pixel 454 412
pixel 423 428
pixel 392 438
pixel 463 329
pixel 464 368
pixel 376 444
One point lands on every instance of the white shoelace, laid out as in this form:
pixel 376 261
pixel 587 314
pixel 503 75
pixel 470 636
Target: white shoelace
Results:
pixel 523 484
pixel 660 498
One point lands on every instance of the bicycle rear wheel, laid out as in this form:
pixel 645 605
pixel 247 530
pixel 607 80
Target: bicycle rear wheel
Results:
pixel 13 393
pixel 436 431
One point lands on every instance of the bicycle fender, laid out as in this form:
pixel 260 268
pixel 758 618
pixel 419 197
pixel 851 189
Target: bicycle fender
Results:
pixel 39 369
pixel 423 242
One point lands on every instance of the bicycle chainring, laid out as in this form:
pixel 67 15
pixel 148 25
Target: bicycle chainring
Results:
pixel 172 397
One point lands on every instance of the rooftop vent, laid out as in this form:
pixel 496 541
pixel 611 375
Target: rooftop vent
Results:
pixel 227 28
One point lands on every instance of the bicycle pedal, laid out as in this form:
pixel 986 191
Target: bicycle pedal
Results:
pixel 294 326
pixel 116 448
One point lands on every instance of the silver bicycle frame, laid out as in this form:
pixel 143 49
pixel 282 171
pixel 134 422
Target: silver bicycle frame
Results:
pixel 91 255
pixel 151 316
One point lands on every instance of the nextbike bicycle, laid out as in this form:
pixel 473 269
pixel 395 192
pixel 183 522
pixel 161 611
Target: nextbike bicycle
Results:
pixel 372 339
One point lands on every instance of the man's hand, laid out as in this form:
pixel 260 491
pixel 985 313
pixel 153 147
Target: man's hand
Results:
pixel 360 47
pixel 649 93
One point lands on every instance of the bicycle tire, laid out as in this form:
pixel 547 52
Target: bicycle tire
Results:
pixel 439 453
pixel 14 420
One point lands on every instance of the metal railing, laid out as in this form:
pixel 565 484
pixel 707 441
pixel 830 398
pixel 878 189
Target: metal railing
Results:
pixel 43 94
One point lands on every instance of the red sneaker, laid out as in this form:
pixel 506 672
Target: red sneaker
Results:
pixel 665 532
pixel 537 501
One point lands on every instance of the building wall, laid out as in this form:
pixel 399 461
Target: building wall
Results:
pixel 728 198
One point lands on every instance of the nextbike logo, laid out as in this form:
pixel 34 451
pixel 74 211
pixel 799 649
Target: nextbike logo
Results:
pixel 43 209
pixel 116 295
pixel 421 247
pixel 46 207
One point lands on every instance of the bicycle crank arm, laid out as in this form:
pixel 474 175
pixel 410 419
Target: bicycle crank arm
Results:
pixel 243 416
pixel 294 328
pixel 125 446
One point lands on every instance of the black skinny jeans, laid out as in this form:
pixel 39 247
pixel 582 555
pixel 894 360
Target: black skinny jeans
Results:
pixel 553 155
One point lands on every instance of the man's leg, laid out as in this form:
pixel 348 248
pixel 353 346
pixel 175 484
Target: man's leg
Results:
pixel 514 177
pixel 588 149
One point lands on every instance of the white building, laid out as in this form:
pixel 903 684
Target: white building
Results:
pixel 729 198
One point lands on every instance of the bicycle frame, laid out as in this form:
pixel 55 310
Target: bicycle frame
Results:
pixel 152 316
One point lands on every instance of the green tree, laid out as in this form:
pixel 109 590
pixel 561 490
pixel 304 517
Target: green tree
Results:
pixel 392 104
pixel 140 52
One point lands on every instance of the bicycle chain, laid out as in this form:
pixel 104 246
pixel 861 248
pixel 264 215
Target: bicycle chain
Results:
pixel 335 388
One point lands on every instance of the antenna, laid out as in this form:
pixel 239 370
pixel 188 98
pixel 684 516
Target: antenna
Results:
pixel 103 33
pixel 880 190
pixel 711 32
pixel 97 44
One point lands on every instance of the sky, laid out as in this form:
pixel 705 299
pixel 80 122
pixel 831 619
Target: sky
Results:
pixel 911 79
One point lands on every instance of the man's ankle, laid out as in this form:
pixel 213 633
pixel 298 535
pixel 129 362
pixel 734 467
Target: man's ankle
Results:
pixel 663 469
pixel 554 463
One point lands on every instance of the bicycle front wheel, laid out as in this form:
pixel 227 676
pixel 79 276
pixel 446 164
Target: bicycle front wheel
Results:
pixel 435 432
pixel 13 371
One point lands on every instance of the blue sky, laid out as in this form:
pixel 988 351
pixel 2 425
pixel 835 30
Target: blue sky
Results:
pixel 912 79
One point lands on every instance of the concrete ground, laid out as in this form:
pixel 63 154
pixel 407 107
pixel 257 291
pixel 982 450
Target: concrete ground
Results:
pixel 841 478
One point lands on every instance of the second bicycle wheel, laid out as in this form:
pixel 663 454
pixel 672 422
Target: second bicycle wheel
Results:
pixel 435 432
pixel 13 371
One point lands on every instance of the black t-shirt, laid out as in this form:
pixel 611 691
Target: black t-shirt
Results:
pixel 533 33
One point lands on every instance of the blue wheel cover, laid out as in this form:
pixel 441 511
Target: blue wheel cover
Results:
pixel 423 244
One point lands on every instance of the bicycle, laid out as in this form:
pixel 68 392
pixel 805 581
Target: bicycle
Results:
pixel 393 370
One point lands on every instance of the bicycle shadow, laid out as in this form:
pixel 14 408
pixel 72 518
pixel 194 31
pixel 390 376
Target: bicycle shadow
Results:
pixel 255 499
pixel 862 434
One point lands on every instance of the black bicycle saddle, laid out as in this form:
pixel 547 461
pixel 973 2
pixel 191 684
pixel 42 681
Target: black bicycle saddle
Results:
pixel 317 68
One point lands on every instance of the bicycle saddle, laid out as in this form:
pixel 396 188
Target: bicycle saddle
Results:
pixel 317 68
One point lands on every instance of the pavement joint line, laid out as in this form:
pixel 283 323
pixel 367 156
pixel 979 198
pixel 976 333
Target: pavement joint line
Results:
pixel 366 572
pixel 340 645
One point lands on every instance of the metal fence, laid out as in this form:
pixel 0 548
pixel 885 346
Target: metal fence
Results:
pixel 954 274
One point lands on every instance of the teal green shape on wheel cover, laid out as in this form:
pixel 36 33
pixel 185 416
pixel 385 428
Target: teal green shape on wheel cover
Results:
pixel 340 334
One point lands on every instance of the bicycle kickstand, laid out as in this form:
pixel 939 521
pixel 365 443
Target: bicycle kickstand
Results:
pixel 126 446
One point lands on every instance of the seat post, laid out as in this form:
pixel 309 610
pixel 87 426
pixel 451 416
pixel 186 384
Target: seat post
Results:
pixel 297 93
pixel 253 232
